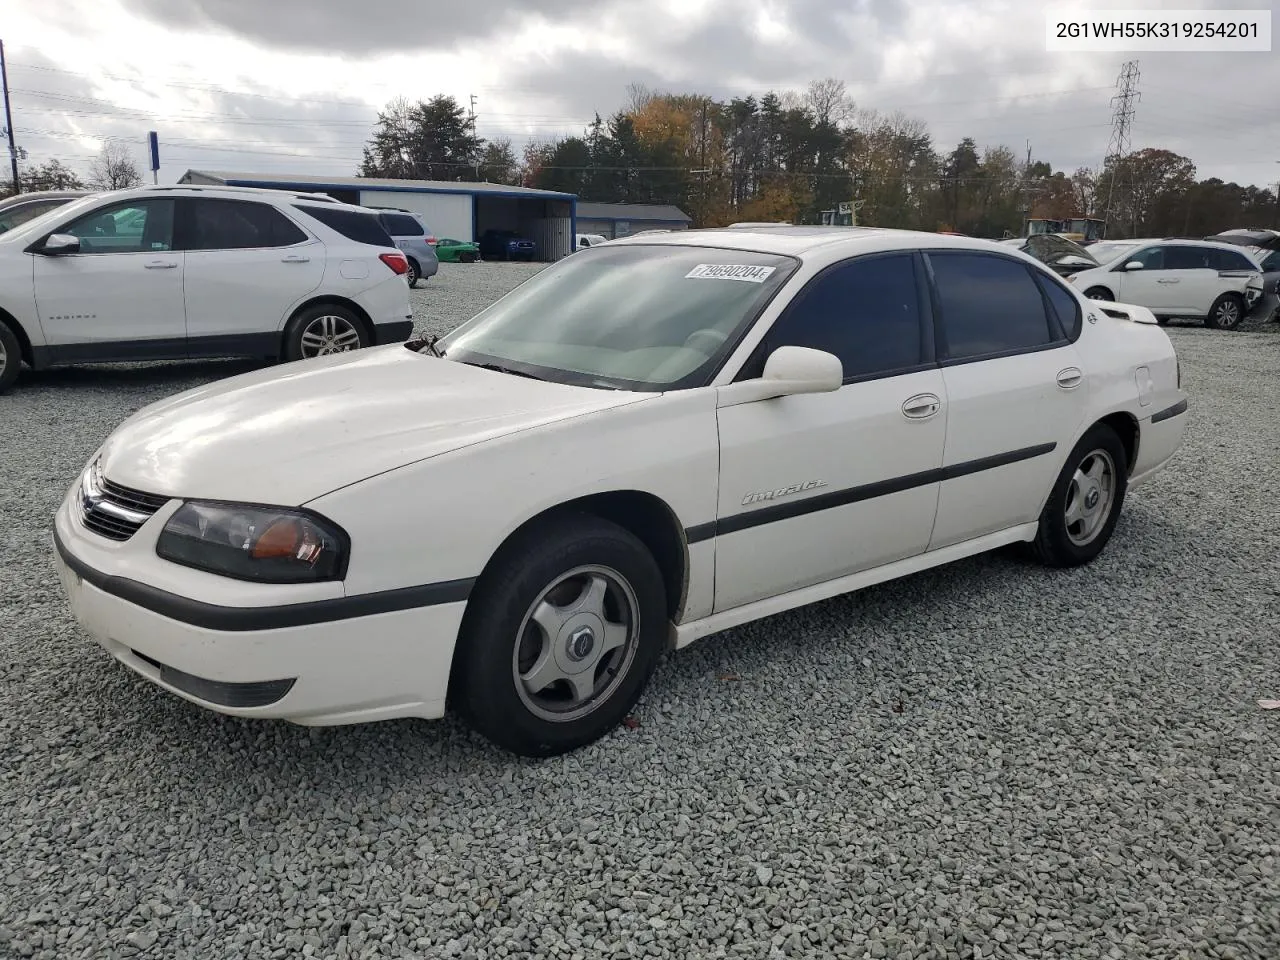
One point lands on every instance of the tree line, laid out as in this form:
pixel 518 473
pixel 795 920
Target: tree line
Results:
pixel 112 169
pixel 790 156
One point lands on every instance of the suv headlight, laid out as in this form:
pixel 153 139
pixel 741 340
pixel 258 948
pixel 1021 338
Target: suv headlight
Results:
pixel 265 544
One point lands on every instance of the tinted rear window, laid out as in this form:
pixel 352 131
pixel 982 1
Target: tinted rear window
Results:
pixel 401 225
pixel 1230 260
pixel 352 224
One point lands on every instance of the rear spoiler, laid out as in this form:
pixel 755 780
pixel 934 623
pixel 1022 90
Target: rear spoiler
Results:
pixel 1124 311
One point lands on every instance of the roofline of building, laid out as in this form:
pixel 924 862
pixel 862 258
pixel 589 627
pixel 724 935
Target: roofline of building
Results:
pixel 356 184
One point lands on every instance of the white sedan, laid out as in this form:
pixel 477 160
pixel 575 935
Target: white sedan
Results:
pixel 639 446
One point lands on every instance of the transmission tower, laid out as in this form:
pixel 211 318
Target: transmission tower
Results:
pixel 1124 105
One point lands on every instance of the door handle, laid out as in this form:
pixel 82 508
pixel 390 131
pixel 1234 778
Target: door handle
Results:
pixel 1070 378
pixel 921 407
pixel 295 260
pixel 1167 280
pixel 161 265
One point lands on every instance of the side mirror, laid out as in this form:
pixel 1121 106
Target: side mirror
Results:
pixel 789 370
pixel 59 244
pixel 1134 265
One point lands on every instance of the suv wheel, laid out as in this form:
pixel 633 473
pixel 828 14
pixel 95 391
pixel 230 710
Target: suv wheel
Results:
pixel 415 273
pixel 10 357
pixel 324 329
pixel 1226 313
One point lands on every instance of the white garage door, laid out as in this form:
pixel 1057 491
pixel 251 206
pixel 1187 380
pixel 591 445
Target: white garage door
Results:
pixel 447 214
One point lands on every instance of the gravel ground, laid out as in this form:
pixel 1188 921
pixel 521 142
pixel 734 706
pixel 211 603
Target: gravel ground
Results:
pixel 987 760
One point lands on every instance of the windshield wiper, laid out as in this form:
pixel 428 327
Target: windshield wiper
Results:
pixel 501 369
pixel 428 344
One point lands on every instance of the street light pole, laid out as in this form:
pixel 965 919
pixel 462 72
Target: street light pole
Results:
pixel 8 122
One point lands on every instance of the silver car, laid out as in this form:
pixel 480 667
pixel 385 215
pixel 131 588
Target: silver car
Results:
pixel 414 238
pixel 20 208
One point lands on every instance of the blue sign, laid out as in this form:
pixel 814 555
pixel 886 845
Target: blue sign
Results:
pixel 154 142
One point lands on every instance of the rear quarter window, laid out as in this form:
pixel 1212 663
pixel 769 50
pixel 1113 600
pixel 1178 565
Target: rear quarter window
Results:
pixel 352 224
pixel 401 225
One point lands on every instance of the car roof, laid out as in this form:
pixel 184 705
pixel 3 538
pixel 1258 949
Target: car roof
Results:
pixel 797 241
pixel 234 193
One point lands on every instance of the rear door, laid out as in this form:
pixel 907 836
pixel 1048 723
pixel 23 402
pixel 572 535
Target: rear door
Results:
pixel 247 266
pixel 121 296
pixel 1016 387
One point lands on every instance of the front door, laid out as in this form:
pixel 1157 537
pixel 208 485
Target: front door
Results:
pixel 121 296
pixel 1016 386
pixel 818 486
pixel 1153 286
pixel 247 266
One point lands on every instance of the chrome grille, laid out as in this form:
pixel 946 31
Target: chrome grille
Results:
pixel 112 510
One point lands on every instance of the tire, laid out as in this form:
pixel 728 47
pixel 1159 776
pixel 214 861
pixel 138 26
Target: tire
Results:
pixel 1061 542
pixel 414 274
pixel 466 258
pixel 1227 312
pixel 10 357
pixel 1163 321
pixel 501 643
pixel 1099 293
pixel 324 329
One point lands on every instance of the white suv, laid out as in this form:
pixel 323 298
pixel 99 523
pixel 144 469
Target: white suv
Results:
pixel 164 273
pixel 1216 282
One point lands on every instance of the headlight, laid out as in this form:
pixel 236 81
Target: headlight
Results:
pixel 266 544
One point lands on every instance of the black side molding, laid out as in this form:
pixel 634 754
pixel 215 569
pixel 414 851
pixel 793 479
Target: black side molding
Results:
pixel 241 619
pixel 261 693
pixel 840 498
pixel 1168 413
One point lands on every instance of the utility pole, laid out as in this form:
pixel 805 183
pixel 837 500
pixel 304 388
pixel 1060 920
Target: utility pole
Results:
pixel 702 162
pixel 471 119
pixel 1125 102
pixel 8 122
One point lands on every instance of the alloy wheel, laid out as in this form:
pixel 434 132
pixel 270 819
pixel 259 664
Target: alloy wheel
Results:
pixel 1227 315
pixel 1090 496
pixel 329 334
pixel 576 643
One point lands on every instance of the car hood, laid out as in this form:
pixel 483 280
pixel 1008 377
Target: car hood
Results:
pixel 289 434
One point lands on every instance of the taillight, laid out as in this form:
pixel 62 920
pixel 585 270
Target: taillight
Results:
pixel 396 261
pixel 432 240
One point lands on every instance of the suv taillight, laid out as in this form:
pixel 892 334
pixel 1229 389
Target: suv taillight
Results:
pixel 432 240
pixel 396 261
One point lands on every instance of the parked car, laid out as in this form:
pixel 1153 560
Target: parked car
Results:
pixel 414 239
pixel 590 240
pixel 457 251
pixel 1216 282
pixel 158 273
pixel 506 245
pixel 1064 257
pixel 621 454
pixel 1263 246
pixel 19 208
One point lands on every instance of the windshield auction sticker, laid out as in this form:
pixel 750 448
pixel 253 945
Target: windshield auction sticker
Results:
pixel 729 271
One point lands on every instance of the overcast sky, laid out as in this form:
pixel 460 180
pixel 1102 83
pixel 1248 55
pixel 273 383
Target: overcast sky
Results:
pixel 294 85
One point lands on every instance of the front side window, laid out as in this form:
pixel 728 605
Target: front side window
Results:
pixel 1152 258
pixel 988 305
pixel 866 312
pixel 652 317
pixel 238 225
pixel 136 226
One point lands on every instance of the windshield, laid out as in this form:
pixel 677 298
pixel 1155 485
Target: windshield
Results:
pixel 642 317
pixel 1107 251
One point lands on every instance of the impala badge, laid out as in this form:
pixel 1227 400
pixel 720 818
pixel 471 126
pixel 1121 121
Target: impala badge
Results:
pixel 766 495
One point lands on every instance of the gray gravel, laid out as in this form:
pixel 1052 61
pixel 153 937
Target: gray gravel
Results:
pixel 987 760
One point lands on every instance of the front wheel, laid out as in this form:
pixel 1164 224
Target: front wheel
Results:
pixel 560 637
pixel 1226 313
pixel 10 357
pixel 324 329
pixel 1084 505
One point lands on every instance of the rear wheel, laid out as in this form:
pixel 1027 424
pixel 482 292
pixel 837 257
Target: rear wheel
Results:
pixel 1084 506
pixel 414 274
pixel 1226 313
pixel 560 637
pixel 324 329
pixel 1099 293
pixel 10 357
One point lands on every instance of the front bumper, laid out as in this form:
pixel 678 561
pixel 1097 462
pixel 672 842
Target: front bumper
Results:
pixel 310 669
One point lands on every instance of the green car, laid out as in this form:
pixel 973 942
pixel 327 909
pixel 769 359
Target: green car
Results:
pixel 457 251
